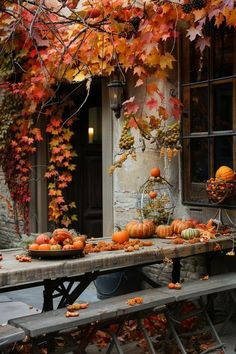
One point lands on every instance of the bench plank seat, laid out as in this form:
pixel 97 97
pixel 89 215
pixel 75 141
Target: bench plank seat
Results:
pixel 54 321
pixel 10 334
pixel 197 288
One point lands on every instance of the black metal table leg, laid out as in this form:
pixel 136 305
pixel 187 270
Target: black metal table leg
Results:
pixel 176 270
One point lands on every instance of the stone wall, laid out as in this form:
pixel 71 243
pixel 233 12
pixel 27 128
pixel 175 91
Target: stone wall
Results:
pixel 7 226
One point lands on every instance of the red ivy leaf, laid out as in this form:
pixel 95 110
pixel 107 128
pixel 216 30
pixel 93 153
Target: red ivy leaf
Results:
pixel 132 123
pixel 131 107
pixel 152 103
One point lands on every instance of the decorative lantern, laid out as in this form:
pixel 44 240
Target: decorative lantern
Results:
pixel 116 92
pixel 155 200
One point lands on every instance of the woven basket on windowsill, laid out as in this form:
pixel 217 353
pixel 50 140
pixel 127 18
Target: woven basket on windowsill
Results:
pixel 219 191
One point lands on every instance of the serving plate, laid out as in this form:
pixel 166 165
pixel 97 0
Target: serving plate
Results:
pixel 56 254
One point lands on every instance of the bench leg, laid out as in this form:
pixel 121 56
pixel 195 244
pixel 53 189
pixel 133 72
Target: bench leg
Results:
pixel 203 313
pixel 231 313
pixel 112 342
pixel 115 341
pixel 146 336
pixel 175 334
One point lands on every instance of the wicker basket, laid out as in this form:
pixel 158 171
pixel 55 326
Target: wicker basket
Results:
pixel 219 191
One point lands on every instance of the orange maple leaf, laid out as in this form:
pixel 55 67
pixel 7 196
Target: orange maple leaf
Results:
pixel 55 122
pixel 132 123
pixel 163 113
pixel 37 133
pixel 151 88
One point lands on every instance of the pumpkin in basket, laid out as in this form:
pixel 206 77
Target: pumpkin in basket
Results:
pixel 225 173
pixel 140 229
pixel 61 235
pixel 180 225
pixel 163 231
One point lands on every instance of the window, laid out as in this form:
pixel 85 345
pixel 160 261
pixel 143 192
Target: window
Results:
pixel 209 118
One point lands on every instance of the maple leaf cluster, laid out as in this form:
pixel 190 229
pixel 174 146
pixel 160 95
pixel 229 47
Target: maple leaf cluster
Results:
pixel 59 171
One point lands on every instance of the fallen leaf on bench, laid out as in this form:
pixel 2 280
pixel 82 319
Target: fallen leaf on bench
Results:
pixel 206 277
pixel 175 286
pixel 76 306
pixel 135 301
pixel 72 314
pixel 178 286
pixel 84 306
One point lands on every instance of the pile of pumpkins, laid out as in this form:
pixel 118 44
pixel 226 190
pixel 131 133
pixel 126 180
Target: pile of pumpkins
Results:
pixel 146 229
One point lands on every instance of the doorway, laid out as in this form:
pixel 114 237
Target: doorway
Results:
pixel 86 186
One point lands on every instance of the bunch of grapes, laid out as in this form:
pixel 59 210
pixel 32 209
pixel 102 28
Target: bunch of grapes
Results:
pixel 126 140
pixel 168 140
pixel 169 137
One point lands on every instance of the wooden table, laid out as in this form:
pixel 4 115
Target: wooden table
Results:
pixel 54 273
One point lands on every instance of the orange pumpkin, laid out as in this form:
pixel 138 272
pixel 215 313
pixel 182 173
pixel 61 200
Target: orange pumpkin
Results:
pixel 225 173
pixel 120 236
pixel 44 247
pixel 179 225
pixel 78 245
pixel 140 229
pixel 155 172
pixel 68 247
pixel 163 231
pixel 60 235
pixel 152 194
pixel 33 247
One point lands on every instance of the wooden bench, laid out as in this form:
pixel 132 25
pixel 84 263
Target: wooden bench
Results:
pixel 116 309
pixel 9 335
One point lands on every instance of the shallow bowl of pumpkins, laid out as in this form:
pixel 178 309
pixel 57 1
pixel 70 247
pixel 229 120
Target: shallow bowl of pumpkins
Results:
pixel 61 244
pixel 182 229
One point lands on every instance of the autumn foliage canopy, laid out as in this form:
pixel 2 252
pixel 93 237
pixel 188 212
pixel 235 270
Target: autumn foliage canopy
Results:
pixel 46 44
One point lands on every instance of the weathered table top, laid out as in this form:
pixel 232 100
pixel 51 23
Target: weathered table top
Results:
pixel 13 272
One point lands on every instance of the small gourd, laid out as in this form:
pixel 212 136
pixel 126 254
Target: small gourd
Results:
pixel 190 233
pixel 163 231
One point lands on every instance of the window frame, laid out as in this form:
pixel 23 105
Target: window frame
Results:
pixel 187 185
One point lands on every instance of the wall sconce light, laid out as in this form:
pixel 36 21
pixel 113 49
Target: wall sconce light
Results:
pixel 116 93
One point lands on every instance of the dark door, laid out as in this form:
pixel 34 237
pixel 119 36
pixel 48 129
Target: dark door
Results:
pixel 87 179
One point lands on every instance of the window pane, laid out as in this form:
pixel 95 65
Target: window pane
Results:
pixel 199 110
pixel 223 106
pixel 199 160
pixel 194 64
pixel 223 151
pixel 223 52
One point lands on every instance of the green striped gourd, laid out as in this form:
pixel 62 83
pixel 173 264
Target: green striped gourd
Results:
pixel 190 233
